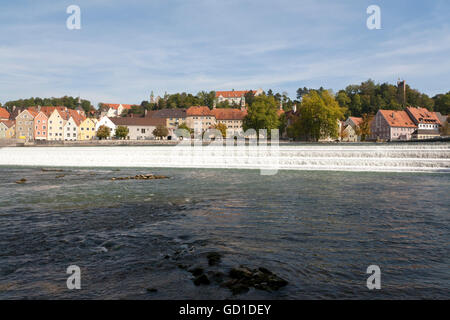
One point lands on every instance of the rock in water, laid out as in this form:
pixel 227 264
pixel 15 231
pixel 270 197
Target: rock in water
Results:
pixel 202 279
pixel 263 279
pixel 213 258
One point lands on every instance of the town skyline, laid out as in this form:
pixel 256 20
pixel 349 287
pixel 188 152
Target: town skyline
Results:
pixel 279 46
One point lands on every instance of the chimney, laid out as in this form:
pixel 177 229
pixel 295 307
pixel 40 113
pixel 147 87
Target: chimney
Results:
pixel 281 105
pixel 145 112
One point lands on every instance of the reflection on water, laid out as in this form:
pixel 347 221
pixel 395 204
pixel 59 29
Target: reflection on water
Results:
pixel 318 230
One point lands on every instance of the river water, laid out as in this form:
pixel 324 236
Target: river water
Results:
pixel 319 230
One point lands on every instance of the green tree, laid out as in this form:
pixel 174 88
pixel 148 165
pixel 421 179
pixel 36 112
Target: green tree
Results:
pixel 319 116
pixel 249 97
pixel 262 114
pixel 122 132
pixel 103 132
pixel 442 103
pixel 161 132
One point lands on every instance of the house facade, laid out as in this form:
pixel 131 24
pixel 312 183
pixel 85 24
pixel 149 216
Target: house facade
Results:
pixel 114 109
pixel 7 129
pixel 234 96
pixel 232 118
pixel 350 129
pixel 139 128
pixel 25 124
pixel 200 117
pixel 56 122
pixel 427 123
pixel 105 121
pixel 86 130
pixel 40 126
pixel 392 125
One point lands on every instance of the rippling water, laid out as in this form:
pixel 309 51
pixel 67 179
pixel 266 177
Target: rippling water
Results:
pixel 319 230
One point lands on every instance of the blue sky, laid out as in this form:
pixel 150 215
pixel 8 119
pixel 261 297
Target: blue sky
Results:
pixel 126 49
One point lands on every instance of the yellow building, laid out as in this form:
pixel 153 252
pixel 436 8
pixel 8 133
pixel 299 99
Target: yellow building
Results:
pixel 56 122
pixel 86 130
pixel 7 129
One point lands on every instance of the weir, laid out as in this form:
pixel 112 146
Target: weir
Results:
pixel 387 157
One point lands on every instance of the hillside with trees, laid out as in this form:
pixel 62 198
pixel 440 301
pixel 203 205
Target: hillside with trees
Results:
pixel 69 102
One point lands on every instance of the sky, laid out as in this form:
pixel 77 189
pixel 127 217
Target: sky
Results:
pixel 126 49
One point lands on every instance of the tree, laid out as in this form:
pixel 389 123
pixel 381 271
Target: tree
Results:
pixel 262 114
pixel 319 116
pixel 161 132
pixel 103 132
pixel 222 128
pixel 363 129
pixel 301 92
pixel 122 132
pixel 442 103
pixel 445 129
pixel 249 97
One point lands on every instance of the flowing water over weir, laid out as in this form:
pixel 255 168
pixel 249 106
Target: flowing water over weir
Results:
pixel 362 157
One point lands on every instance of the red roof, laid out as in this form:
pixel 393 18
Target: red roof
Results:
pixel 4 114
pixel 8 123
pixel 422 115
pixel 231 94
pixel 116 105
pixel 357 121
pixel 229 114
pixel 397 118
pixel 198 111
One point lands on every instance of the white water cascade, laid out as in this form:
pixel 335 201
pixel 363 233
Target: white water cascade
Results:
pixel 363 157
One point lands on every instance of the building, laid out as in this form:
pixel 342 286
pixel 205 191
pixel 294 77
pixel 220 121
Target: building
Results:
pixel 427 123
pixel 349 133
pixel 200 117
pixel 56 123
pixel 392 125
pixel 4 114
pixel 40 126
pixel 232 118
pixel 350 129
pixel 114 109
pixel 235 97
pixel 7 129
pixel 139 128
pixel 105 121
pixel 25 124
pixel 72 124
pixel 173 117
pixel 86 130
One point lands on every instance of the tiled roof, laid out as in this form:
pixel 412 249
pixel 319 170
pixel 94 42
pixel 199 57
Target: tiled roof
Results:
pixel 4 114
pixel 78 118
pixel 116 105
pixel 228 114
pixel 397 118
pixel 131 121
pixel 231 94
pixel 8 123
pixel 198 111
pixel 422 115
pixel 357 121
